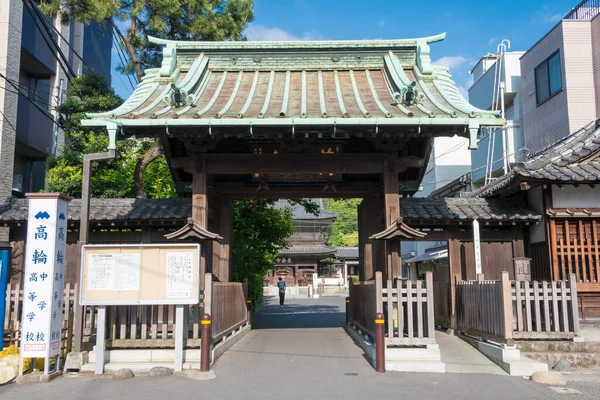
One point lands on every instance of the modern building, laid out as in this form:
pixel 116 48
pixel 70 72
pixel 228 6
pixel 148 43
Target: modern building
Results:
pixel 33 83
pixel 497 83
pixel 560 79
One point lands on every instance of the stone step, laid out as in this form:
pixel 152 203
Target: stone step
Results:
pixel 415 366
pixel 138 368
pixel 413 354
pixel 145 356
pixel 581 360
pixel 562 346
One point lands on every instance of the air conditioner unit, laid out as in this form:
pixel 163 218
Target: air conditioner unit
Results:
pixel 17 183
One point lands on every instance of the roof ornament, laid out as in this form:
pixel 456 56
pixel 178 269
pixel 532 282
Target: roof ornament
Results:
pixel 178 97
pixel 409 95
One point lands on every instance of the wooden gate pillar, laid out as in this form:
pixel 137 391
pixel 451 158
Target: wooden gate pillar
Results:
pixel 370 221
pixel 393 265
pixel 200 209
pixel 222 221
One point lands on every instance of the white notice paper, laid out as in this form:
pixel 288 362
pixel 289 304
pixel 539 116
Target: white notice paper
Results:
pixel 179 274
pixel 127 272
pixel 101 272
pixel 117 272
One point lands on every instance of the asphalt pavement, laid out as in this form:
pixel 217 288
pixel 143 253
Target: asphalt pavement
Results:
pixel 301 351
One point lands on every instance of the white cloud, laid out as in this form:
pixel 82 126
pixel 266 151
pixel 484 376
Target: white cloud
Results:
pixel 491 41
pixel 264 33
pixel 381 23
pixel 451 61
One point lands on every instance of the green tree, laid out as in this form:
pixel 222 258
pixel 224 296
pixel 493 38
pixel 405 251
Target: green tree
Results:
pixel 345 227
pixel 260 231
pixel 134 20
pixel 90 93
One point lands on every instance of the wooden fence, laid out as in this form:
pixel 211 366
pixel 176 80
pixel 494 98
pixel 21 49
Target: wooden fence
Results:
pixel 483 308
pixel 545 310
pixel 363 306
pixel 408 307
pixel 442 301
pixel 229 309
pixel 504 310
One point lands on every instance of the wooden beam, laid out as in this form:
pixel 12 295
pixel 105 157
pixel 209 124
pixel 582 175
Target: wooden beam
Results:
pixel 341 163
pixel 242 190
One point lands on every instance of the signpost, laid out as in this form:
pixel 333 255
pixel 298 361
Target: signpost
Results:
pixel 477 247
pixel 41 330
pixel 522 267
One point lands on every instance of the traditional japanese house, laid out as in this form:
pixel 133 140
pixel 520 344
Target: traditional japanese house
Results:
pixel 560 182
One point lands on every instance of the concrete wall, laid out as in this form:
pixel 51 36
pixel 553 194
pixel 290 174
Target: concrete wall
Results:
pixel 571 197
pixel 450 158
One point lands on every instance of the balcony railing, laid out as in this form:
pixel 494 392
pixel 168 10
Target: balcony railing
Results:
pixel 585 10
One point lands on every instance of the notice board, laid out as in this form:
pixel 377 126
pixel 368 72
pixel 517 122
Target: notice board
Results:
pixel 140 274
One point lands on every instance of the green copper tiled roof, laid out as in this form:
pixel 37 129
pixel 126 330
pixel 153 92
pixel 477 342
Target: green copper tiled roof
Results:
pixel 370 82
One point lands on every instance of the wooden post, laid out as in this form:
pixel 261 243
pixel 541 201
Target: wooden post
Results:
pixel 205 343
pixel 454 294
pixel 430 305
pixel 392 213
pixel 454 266
pixel 506 308
pixel 379 342
pixel 574 308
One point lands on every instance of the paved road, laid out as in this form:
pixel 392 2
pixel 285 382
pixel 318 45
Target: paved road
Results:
pixel 298 352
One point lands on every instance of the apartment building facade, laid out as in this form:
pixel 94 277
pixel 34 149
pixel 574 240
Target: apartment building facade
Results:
pixel 32 84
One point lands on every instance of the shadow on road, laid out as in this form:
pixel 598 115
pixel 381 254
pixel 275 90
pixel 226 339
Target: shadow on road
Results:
pixel 296 315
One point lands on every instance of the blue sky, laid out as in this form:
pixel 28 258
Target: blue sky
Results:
pixel 473 28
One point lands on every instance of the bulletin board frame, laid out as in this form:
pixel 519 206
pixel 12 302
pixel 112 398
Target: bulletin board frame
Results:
pixel 166 274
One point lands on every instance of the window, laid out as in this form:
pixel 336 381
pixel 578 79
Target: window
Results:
pixel 548 78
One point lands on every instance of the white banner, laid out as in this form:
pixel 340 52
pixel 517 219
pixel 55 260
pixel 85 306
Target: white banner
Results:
pixel 44 277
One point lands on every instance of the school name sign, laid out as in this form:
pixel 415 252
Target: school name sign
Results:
pixel 44 275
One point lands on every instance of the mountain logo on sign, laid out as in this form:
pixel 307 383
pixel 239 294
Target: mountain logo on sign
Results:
pixel 42 215
pixel 61 216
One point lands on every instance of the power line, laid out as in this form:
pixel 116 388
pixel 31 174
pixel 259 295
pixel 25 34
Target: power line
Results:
pixel 122 57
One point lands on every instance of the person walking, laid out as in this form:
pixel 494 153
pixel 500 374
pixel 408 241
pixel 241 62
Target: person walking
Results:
pixel 281 285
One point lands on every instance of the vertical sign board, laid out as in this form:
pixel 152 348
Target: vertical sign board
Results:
pixel 477 247
pixel 522 267
pixel 44 276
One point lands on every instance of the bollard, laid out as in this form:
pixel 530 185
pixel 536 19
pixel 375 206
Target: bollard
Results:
pixel 379 342
pixel 249 306
pixel 205 344
pixel 347 309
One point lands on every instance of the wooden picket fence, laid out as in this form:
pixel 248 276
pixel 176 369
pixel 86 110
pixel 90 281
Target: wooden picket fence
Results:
pixel 442 301
pixel 408 308
pixel 545 310
pixel 229 310
pixel 504 310
pixel 13 311
pixel 363 306
pixel 483 308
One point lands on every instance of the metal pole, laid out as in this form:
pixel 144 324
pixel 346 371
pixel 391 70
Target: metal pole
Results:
pixel 379 343
pixel 179 332
pixel 249 306
pixel 205 344
pixel 347 310
pixel 100 333
pixel 84 223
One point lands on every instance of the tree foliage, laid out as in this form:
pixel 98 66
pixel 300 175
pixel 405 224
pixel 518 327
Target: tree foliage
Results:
pixel 345 227
pixel 133 21
pixel 114 178
pixel 260 231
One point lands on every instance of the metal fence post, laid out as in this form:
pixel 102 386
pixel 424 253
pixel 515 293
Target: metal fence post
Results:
pixel 379 342
pixel 249 306
pixel 574 303
pixel 205 344
pixel 347 310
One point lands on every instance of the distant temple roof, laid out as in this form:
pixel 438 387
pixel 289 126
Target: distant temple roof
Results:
pixel 317 83
pixel 573 159
pixel 299 213
pixel 308 251
pixel 411 210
